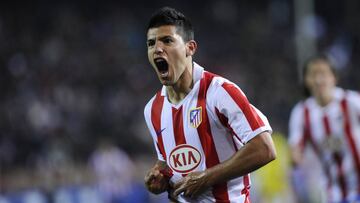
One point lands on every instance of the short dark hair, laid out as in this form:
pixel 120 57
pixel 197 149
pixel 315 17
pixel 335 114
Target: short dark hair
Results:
pixel 170 16
pixel 316 58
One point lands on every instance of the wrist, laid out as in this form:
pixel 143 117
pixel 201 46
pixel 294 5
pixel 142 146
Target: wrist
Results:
pixel 211 176
pixel 218 174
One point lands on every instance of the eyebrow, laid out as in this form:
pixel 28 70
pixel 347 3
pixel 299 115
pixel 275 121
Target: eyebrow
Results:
pixel 150 40
pixel 160 38
pixel 164 37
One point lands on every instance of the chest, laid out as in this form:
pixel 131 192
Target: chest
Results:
pixel 190 133
pixel 325 123
pixel 334 128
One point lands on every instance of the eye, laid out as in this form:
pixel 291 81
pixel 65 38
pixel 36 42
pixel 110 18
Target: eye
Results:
pixel 150 43
pixel 167 40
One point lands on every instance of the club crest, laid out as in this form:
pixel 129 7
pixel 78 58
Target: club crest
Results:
pixel 195 117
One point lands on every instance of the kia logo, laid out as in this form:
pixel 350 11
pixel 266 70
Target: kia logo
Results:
pixel 184 158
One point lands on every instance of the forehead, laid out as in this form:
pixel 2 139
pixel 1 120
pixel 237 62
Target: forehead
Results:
pixel 165 30
pixel 319 65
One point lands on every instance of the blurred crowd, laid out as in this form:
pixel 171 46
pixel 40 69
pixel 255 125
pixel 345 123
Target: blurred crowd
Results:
pixel 75 75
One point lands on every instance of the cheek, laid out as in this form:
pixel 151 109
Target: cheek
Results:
pixel 149 56
pixel 311 84
pixel 308 82
pixel 332 80
pixel 151 60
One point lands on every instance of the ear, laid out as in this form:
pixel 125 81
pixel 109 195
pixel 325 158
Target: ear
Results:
pixel 191 47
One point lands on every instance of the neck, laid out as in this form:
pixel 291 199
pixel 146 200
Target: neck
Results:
pixel 177 92
pixel 324 99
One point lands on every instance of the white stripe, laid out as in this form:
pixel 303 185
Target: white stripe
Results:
pixel 168 133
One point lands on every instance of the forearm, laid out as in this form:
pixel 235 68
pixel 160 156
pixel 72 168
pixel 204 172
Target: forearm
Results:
pixel 255 154
pixel 296 156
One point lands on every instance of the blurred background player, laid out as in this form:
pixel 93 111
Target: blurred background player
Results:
pixel 329 122
pixel 114 172
pixel 205 131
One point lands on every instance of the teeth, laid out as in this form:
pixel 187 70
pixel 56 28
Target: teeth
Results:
pixel 159 60
pixel 164 74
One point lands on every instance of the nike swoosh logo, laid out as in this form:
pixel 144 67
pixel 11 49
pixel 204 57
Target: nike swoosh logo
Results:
pixel 160 131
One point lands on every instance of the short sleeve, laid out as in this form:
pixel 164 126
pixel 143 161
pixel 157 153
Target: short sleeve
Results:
pixel 245 120
pixel 296 125
pixel 353 98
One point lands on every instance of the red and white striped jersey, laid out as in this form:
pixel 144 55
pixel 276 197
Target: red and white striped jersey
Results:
pixel 333 132
pixel 208 126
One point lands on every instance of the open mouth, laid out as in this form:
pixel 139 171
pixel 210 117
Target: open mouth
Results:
pixel 162 66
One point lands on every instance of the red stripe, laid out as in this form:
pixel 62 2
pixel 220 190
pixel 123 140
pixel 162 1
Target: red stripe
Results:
pixel 327 125
pixel 156 110
pixel 308 138
pixel 337 158
pixel 247 199
pixel 211 158
pixel 246 189
pixel 252 117
pixel 307 132
pixel 177 116
pixel 350 138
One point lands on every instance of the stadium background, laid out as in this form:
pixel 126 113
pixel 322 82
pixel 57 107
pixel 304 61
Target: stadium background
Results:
pixel 73 74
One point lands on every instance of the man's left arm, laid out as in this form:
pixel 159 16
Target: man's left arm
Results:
pixel 259 151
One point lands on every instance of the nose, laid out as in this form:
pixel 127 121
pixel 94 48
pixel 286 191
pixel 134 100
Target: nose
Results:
pixel 158 47
pixel 319 79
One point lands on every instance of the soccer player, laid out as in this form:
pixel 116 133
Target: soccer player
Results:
pixel 207 135
pixel 329 121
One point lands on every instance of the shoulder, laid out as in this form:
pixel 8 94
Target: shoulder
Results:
pixel 352 94
pixel 214 79
pixel 149 104
pixel 299 107
pixel 353 97
pixel 147 108
pixel 341 94
pixel 219 83
pixel 210 80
